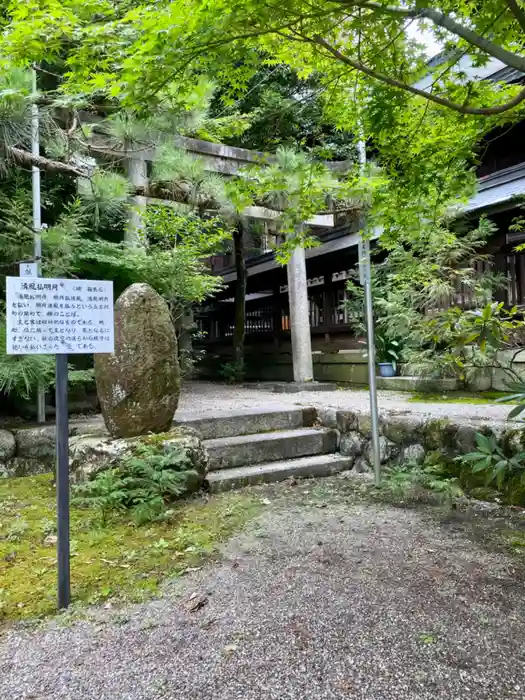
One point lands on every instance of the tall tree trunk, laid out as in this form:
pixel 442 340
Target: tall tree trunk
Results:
pixel 240 298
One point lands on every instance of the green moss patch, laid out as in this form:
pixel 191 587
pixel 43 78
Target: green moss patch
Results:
pixel 482 397
pixel 117 560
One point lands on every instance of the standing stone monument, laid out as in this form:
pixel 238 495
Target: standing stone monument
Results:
pixel 139 385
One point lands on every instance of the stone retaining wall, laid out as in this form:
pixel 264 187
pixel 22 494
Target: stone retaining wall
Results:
pixel 28 451
pixel 403 438
pixel 410 438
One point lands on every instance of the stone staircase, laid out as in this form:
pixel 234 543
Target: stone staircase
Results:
pixel 261 446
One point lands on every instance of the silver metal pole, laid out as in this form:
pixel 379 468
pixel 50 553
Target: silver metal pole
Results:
pixel 374 412
pixel 365 275
pixel 37 225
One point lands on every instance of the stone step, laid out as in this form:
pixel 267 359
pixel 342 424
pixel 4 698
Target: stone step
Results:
pixel 244 450
pixel 407 383
pixel 249 422
pixel 318 465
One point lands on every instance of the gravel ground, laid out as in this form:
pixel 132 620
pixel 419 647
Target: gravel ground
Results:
pixel 346 601
pixel 205 397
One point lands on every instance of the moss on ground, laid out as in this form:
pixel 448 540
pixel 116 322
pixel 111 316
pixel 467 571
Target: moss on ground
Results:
pixel 482 397
pixel 117 560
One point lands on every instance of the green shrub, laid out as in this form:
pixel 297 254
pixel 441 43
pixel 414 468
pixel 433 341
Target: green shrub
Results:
pixel 233 372
pixel 143 484
pixel 491 462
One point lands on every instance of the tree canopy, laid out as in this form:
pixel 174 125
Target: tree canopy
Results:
pixel 114 72
pixel 132 50
pixel 422 121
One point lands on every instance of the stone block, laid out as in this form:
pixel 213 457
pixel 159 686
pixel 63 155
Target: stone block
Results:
pixel 247 422
pixel 403 430
pixel 414 454
pixel 313 466
pixel 479 380
pixel 90 454
pixel 7 445
pixel 387 450
pixel 347 421
pixel 27 466
pixel 347 357
pixel 352 444
pixel 244 450
pixel 328 417
pixel 364 425
pixel 309 416
pixel 36 443
pixel 438 433
pixel 513 441
pixel 465 439
pixel 406 383
pixel 91 426
pixel 342 373
pixel 361 466
pixel 297 387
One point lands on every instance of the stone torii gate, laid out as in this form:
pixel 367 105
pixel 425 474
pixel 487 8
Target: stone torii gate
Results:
pixel 227 161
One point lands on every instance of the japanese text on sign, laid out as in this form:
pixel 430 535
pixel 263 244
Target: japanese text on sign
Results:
pixel 58 316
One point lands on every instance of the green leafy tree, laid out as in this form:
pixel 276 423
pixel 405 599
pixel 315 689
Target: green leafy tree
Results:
pixel 298 187
pixel 340 38
pixel 285 111
pixel 422 122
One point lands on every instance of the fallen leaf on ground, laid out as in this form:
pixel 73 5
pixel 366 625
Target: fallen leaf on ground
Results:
pixel 197 601
pixel 208 623
pixel 229 648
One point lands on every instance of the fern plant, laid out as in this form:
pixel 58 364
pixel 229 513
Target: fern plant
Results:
pixel 404 481
pixel 106 493
pixel 143 484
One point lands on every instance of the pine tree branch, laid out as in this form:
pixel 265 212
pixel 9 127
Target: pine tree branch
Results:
pixel 393 82
pixel 180 192
pixel 27 160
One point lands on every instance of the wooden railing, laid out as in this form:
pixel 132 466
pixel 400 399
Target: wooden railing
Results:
pixel 271 316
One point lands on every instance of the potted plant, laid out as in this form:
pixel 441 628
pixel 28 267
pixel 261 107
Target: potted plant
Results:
pixel 387 354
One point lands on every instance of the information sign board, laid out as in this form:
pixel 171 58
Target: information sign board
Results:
pixel 59 316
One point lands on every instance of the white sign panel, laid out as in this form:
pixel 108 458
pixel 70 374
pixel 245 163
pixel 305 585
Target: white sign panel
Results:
pixel 57 316
pixel 28 269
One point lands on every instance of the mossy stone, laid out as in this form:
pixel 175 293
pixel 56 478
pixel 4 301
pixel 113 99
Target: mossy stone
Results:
pixel 139 384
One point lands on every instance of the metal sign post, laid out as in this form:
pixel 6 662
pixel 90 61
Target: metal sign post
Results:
pixel 60 317
pixel 365 277
pixel 62 482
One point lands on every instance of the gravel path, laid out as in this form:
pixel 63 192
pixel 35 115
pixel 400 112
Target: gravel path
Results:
pixel 355 601
pixel 205 397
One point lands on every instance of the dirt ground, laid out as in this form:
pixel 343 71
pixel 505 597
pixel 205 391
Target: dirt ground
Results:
pixel 327 595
